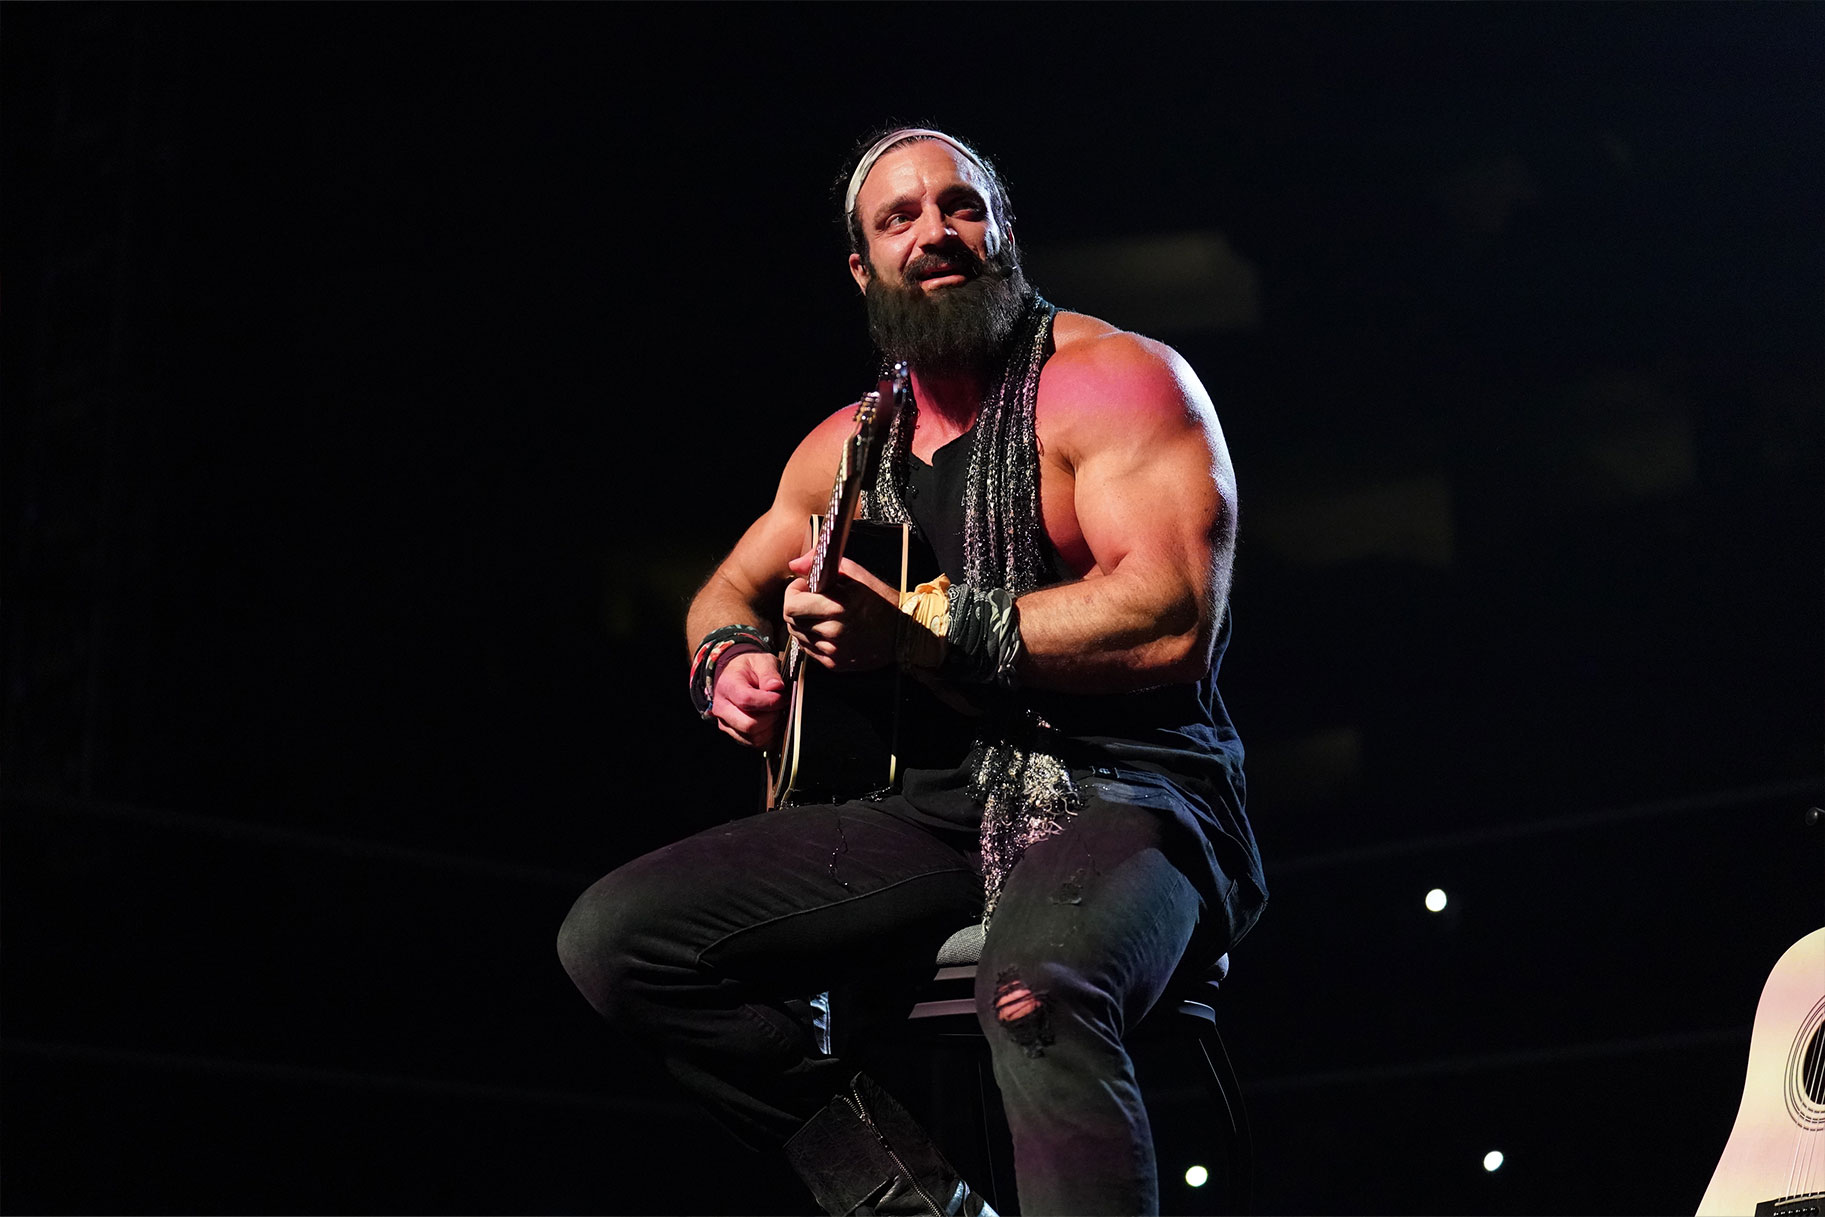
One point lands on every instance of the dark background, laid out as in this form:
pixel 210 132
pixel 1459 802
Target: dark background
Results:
pixel 381 379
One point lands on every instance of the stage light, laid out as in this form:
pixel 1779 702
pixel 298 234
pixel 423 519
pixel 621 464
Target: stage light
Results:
pixel 1197 1176
pixel 1492 1161
pixel 1435 900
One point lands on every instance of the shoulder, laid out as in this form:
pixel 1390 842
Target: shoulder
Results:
pixel 806 480
pixel 1101 377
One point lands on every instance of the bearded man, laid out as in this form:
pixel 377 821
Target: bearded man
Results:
pixel 1074 487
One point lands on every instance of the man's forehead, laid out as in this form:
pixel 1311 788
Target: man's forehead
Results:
pixel 926 162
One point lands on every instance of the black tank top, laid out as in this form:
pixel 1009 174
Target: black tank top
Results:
pixel 1180 732
pixel 1181 729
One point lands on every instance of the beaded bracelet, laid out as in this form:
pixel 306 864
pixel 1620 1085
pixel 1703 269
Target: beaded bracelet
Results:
pixel 711 651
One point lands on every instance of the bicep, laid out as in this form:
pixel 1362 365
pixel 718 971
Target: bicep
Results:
pixel 1158 490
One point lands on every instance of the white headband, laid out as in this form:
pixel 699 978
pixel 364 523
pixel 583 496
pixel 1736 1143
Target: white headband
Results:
pixel 893 137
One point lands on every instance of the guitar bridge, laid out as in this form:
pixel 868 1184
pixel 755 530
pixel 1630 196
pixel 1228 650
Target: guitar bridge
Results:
pixel 1806 1204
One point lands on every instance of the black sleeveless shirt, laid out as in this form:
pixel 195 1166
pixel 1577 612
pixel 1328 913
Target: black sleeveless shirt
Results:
pixel 1181 728
pixel 1182 732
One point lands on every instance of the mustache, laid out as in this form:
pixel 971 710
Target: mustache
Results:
pixel 999 267
pixel 963 259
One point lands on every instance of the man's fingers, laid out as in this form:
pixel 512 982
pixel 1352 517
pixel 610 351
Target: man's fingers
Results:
pixel 861 575
pixel 760 674
pixel 738 736
pixel 750 729
pixel 811 606
pixel 820 640
pixel 752 691
pixel 750 700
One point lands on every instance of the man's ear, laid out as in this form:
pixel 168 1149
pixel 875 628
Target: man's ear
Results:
pixel 858 270
pixel 1000 237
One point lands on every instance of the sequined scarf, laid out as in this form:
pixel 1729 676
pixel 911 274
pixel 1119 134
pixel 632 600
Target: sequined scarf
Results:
pixel 1025 790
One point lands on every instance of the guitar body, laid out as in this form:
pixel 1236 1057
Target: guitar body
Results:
pixel 1774 1162
pixel 854 734
pixel 839 738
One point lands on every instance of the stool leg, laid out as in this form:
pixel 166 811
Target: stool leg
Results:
pixel 997 1150
pixel 1220 1078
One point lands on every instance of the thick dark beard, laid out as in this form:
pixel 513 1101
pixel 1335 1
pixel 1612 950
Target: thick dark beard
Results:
pixel 956 330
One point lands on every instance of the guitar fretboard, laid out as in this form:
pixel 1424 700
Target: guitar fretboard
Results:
pixel 843 494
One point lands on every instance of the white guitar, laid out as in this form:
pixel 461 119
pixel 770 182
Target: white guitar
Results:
pixel 1774 1162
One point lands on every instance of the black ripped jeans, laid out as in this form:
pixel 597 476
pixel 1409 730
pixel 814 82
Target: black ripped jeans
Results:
pixel 698 949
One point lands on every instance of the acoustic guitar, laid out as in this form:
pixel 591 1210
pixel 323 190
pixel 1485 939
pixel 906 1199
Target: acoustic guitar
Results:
pixel 853 734
pixel 1774 1162
pixel 857 754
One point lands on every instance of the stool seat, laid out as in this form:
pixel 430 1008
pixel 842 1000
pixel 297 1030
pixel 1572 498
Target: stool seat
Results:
pixel 960 953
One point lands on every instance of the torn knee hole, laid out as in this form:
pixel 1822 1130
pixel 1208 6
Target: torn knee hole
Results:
pixel 1014 1001
pixel 1022 1014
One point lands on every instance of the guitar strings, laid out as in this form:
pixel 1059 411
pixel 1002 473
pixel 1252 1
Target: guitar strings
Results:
pixel 1813 1179
pixel 1814 1084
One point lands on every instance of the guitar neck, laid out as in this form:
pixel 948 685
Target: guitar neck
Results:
pixel 827 549
pixel 794 659
pixel 859 453
pixel 874 416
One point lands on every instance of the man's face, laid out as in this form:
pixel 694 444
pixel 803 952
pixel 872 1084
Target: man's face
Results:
pixel 941 280
pixel 926 214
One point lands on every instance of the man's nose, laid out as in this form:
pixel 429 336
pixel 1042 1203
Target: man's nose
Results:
pixel 935 229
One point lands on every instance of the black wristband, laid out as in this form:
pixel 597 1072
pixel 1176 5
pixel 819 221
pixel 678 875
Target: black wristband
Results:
pixel 710 653
pixel 984 636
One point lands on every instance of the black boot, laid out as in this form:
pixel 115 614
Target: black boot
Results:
pixel 865 1154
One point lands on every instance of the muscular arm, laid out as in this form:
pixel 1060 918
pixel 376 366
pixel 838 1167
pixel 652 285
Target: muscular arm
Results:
pixel 747 586
pixel 1153 498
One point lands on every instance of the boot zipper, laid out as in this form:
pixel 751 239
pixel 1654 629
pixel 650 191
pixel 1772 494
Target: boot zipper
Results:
pixel 912 1180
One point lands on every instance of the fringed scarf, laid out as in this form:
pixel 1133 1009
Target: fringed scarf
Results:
pixel 1025 790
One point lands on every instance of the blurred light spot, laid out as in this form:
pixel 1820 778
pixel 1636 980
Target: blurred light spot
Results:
pixel 1197 1176
pixel 1173 282
pixel 1492 1161
pixel 1645 457
pixel 1626 433
pixel 1435 900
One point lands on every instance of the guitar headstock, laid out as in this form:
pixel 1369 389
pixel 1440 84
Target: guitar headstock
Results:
pixel 874 418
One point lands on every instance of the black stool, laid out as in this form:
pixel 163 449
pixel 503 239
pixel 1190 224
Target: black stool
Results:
pixel 944 1015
